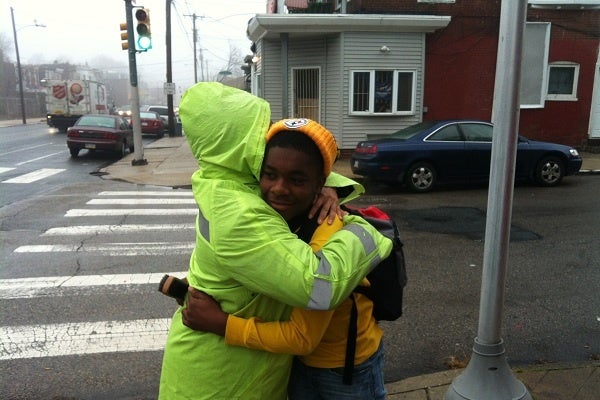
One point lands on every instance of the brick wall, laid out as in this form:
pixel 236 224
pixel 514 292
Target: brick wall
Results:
pixel 461 62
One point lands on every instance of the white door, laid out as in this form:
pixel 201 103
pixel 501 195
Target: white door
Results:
pixel 306 98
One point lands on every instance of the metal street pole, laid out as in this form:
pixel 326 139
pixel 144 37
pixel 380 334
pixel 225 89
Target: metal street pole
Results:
pixel 138 152
pixel 19 74
pixel 488 376
pixel 169 72
pixel 195 58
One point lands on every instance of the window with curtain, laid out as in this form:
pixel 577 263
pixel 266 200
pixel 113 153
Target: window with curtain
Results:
pixel 562 81
pixel 380 92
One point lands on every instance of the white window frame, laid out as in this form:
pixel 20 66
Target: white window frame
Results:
pixel 564 96
pixel 256 84
pixel 371 109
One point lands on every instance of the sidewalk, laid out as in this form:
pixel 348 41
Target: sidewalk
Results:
pixel 171 163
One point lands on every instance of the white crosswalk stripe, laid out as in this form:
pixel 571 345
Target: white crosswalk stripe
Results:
pixel 34 176
pixel 179 193
pixel 24 288
pixel 3 170
pixel 114 229
pixel 107 335
pixel 112 249
pixel 136 202
pixel 140 211
pixel 54 340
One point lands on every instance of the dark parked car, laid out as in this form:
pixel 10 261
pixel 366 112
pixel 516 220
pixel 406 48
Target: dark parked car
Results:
pixel 152 123
pixel 455 151
pixel 100 132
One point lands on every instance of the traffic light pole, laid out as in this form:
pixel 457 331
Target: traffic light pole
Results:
pixel 138 158
pixel 169 72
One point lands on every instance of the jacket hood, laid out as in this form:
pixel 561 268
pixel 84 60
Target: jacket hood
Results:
pixel 226 130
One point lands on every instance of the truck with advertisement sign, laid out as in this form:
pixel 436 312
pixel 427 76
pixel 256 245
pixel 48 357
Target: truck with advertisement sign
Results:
pixel 67 100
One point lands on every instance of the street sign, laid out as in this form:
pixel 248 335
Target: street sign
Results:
pixel 169 88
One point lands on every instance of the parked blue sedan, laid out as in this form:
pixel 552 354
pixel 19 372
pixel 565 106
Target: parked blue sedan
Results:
pixel 455 151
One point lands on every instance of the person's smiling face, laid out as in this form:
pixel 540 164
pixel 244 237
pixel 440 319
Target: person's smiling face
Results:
pixel 289 181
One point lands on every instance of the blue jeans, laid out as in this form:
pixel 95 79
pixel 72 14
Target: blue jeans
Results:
pixel 309 383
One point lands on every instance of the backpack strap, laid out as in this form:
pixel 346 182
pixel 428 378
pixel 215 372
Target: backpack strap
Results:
pixel 351 343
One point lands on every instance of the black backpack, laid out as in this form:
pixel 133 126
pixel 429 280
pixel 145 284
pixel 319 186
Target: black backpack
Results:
pixel 387 280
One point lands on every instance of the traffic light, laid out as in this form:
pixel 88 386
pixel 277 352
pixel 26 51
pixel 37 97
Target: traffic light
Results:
pixel 144 37
pixel 124 38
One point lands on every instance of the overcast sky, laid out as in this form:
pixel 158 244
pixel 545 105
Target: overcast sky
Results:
pixel 81 31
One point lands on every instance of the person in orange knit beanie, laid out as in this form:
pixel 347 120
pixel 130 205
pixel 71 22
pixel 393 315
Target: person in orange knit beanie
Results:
pixel 318 338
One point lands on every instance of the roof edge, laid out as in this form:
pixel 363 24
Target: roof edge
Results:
pixel 262 25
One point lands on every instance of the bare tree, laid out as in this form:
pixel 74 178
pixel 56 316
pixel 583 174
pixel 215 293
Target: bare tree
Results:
pixel 6 47
pixel 232 69
pixel 235 61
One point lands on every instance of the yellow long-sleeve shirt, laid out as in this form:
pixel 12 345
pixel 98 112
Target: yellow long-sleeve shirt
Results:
pixel 318 337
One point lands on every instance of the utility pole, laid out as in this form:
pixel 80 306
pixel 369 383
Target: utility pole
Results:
pixel 169 72
pixel 195 40
pixel 202 77
pixel 195 34
pixel 19 73
pixel 138 151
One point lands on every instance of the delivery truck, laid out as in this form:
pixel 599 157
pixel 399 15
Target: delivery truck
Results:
pixel 67 100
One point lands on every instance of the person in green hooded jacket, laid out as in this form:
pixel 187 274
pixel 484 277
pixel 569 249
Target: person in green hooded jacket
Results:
pixel 246 257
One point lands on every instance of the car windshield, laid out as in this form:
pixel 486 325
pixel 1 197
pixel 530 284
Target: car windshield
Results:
pixel 147 115
pixel 99 121
pixel 412 130
pixel 160 110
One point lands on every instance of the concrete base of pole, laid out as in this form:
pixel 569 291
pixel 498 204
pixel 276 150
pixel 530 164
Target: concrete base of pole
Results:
pixel 487 377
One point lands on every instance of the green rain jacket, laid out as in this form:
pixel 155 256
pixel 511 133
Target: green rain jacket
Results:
pixel 245 255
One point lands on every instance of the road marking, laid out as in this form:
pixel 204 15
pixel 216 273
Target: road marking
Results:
pixel 113 229
pixel 34 176
pixel 141 211
pixel 112 249
pixel 53 340
pixel 40 158
pixel 147 193
pixel 27 288
pixel 141 201
pixel 3 170
pixel 26 149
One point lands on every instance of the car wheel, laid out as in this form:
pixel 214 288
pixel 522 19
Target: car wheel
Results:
pixel 131 148
pixel 160 135
pixel 74 152
pixel 421 177
pixel 549 171
pixel 121 151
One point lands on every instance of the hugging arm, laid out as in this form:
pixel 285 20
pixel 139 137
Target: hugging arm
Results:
pixel 300 335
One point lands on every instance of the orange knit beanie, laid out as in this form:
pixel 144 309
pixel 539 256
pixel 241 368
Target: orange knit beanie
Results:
pixel 317 132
